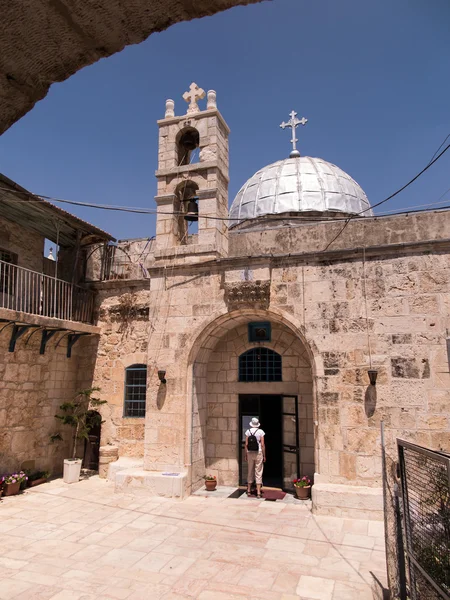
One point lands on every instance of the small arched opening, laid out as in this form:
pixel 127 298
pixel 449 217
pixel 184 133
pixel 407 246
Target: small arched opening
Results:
pixel 186 191
pixel 188 142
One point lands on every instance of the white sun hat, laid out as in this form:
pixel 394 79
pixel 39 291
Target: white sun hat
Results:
pixel 254 422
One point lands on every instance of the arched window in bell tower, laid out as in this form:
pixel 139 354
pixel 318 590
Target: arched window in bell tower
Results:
pixel 188 141
pixel 186 193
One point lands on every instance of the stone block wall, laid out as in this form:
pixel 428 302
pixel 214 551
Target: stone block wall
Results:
pixel 32 387
pixel 26 243
pixel 124 323
pixel 407 318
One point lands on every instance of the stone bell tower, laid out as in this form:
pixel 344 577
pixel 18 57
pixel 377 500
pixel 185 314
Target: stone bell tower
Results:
pixel 192 180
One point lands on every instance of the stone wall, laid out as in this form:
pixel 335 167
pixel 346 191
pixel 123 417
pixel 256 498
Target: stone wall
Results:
pixel 283 237
pixel 323 302
pixel 27 244
pixel 124 323
pixel 32 388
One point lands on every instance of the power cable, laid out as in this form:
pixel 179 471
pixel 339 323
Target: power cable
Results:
pixel 139 210
pixel 392 195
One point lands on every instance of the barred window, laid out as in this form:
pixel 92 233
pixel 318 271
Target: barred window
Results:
pixel 135 391
pixel 260 364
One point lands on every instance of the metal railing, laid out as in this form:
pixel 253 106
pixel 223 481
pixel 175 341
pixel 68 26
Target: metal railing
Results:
pixel 425 480
pixel 38 294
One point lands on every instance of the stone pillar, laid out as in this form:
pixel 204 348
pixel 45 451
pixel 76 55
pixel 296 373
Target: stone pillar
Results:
pixel 107 454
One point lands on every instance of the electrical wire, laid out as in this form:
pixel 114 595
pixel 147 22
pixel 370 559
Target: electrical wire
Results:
pixel 392 195
pixel 149 211
pixel 139 210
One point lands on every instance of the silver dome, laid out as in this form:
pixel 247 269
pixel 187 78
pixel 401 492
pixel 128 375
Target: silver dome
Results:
pixel 298 185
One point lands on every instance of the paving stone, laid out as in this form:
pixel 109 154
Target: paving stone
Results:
pixel 203 549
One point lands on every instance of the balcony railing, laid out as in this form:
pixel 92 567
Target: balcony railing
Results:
pixel 38 294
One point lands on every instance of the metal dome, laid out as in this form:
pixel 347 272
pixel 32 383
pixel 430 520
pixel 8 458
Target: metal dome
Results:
pixel 302 184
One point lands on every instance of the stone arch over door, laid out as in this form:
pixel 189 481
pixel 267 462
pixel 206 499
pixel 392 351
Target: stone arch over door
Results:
pixel 214 388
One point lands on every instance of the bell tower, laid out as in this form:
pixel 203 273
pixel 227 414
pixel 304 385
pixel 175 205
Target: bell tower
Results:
pixel 192 180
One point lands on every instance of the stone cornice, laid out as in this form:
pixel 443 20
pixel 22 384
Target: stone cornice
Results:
pixel 273 261
pixel 201 114
pixel 192 168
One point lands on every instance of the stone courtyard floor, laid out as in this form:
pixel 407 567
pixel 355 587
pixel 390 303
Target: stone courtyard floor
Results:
pixel 84 542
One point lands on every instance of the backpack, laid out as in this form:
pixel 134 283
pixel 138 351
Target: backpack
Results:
pixel 252 442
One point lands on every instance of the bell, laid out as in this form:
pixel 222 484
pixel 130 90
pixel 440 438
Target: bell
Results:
pixel 192 210
pixel 188 141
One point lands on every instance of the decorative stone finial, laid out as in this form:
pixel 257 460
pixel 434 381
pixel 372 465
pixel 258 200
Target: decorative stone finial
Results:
pixel 192 96
pixel 170 109
pixel 293 123
pixel 211 100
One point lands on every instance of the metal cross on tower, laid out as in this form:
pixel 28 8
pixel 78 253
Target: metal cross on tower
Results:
pixel 293 123
pixel 195 93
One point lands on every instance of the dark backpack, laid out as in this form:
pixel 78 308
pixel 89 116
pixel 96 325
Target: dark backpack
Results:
pixel 252 442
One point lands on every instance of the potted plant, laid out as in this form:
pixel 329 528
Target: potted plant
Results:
pixel 76 415
pixel 210 482
pixel 2 479
pixel 38 477
pixel 302 487
pixel 11 483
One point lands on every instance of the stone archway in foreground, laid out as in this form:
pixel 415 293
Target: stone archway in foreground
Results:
pixel 50 40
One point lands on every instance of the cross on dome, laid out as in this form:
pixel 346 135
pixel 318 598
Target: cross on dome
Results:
pixel 192 96
pixel 293 123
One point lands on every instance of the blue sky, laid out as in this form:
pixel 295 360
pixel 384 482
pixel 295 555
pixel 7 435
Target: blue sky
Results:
pixel 373 79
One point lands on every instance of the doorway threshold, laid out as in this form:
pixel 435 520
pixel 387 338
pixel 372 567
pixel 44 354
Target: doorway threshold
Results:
pixel 238 493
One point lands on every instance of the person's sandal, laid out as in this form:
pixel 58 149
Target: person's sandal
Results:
pixel 258 496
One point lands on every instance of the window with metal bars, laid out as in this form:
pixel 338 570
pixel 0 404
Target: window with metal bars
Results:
pixel 260 364
pixel 135 391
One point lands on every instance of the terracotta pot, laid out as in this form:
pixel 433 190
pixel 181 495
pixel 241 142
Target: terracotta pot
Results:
pixel 210 485
pixel 38 481
pixel 12 488
pixel 303 492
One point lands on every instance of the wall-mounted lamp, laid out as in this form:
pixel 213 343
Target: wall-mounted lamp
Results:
pixel 162 376
pixel 373 374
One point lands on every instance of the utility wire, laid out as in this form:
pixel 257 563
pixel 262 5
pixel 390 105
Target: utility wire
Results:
pixel 392 195
pixel 150 211
pixel 40 197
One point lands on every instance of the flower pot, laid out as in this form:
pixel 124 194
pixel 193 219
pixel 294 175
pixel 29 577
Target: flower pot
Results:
pixel 210 485
pixel 72 469
pixel 12 488
pixel 38 481
pixel 303 492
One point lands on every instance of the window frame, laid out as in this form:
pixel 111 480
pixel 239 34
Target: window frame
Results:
pixel 129 388
pixel 273 369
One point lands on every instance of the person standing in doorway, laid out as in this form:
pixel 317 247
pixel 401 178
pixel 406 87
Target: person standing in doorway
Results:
pixel 255 455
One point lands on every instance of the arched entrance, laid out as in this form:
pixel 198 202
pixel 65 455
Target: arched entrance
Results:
pixel 226 394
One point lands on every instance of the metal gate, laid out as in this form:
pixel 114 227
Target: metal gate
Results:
pixel 425 480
